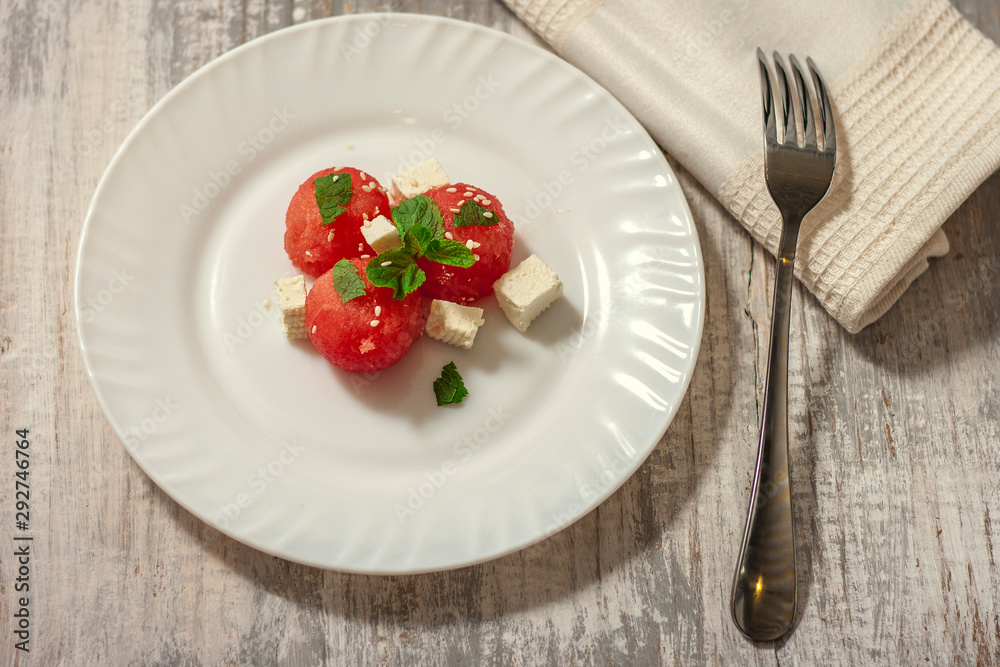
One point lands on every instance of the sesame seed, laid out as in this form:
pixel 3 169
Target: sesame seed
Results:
pixel 314 328
pixel 267 303
pixel 348 145
pixel 373 185
pixel 335 177
pixel 366 188
pixel 449 236
pixel 361 246
pixel 374 323
pixel 488 214
pixel 451 190
pixel 469 187
pixel 376 210
pixel 378 310
pixel 386 263
pixel 469 244
pixel 364 176
pixel 329 237
pixel 475 244
pixel 475 257
pixel 468 194
pixel 308 254
pixel 364 216
pixel 453 210
pixel 366 256
pixel 486 202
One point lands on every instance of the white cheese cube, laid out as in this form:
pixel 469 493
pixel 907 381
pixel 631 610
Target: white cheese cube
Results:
pixel 454 324
pixel 292 302
pixel 526 290
pixel 381 234
pixel 416 180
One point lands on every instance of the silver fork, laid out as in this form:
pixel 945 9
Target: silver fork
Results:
pixel 798 176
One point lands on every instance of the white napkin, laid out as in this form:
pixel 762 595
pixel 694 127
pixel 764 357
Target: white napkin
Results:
pixel 916 92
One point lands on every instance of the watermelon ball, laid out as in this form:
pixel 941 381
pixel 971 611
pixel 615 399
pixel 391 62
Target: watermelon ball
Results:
pixel 492 243
pixel 314 247
pixel 368 333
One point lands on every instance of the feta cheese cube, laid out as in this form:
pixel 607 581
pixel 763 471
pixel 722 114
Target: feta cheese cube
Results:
pixel 292 302
pixel 454 324
pixel 416 180
pixel 526 290
pixel 381 234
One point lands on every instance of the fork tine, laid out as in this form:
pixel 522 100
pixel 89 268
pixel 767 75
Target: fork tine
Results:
pixel 788 137
pixel 805 106
pixel 767 99
pixel 826 112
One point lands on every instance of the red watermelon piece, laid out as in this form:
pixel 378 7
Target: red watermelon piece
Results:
pixel 368 333
pixel 314 247
pixel 495 244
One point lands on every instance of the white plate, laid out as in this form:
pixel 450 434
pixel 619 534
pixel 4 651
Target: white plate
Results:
pixel 262 438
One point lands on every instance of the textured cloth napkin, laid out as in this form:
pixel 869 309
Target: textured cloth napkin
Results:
pixel 916 93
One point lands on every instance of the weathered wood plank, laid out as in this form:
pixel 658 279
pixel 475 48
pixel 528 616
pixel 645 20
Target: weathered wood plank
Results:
pixel 895 431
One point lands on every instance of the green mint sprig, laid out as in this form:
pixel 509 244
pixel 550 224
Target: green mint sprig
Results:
pixel 420 210
pixel 450 389
pixel 346 280
pixel 333 194
pixel 396 268
pixel 421 228
pixel 472 213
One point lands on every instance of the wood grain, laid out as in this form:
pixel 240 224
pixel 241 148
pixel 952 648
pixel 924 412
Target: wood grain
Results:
pixel 895 435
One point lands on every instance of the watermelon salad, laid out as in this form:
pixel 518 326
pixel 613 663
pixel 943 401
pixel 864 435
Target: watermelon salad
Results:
pixel 389 263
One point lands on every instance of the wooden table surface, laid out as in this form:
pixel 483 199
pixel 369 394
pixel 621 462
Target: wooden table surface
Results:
pixel 895 435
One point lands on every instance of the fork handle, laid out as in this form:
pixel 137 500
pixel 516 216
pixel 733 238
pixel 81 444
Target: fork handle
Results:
pixel 763 602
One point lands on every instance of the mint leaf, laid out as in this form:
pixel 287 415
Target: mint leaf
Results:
pixel 412 278
pixel 472 213
pixel 333 194
pixel 451 253
pixel 421 228
pixel 388 266
pixel 418 239
pixel 419 210
pixel 449 388
pixel 397 269
pixel 346 280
